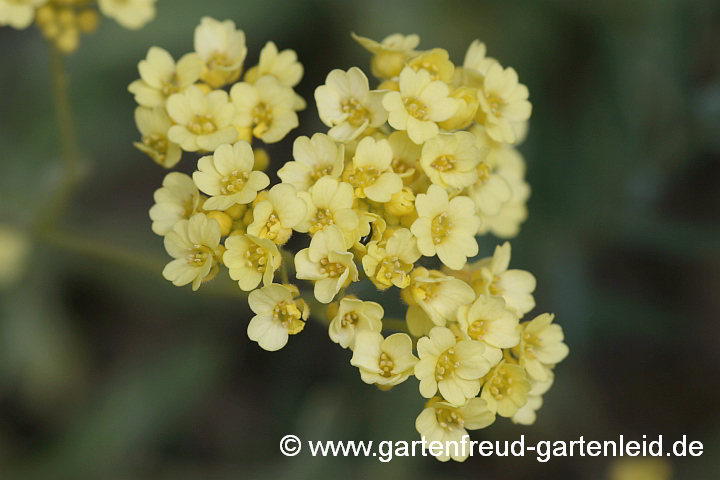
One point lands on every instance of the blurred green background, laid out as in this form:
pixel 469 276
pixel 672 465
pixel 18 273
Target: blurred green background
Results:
pixel 109 372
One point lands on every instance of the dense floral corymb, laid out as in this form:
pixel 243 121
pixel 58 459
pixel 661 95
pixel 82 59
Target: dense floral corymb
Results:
pixel 414 165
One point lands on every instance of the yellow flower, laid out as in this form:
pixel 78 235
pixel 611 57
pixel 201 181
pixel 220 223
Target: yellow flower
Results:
pixel 506 389
pixel 402 203
pixel 251 260
pixel 327 262
pixel 488 321
pixel 266 107
pixel 277 315
pixel 228 176
pixel 406 157
pixel 392 264
pixel 467 109
pixel 19 14
pixel 160 76
pixel 223 50
pixel 370 172
pixel 330 203
pixel 314 159
pixel 436 62
pixel 178 199
pixel 195 245
pixel 526 415
pixel 346 104
pixel 383 361
pixel 419 105
pixel 454 368
pixel 541 346
pixel 490 191
pixel 450 160
pixel 281 65
pixel 352 316
pixel 203 121
pixel 14 250
pixel 503 102
pixel 476 58
pixel 492 277
pixel 275 217
pixel 506 224
pixel 131 14
pixel 437 294
pixel 446 227
pixel 153 124
pixel 389 56
pixel 444 422
pixel 502 158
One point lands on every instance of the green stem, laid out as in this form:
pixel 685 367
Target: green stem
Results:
pixel 153 266
pixel 68 139
pixel 105 252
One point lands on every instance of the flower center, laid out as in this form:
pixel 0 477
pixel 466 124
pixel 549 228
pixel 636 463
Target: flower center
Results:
pixel 496 104
pixel 446 365
pixel 501 385
pixel 386 365
pixel 443 163
pixel 529 342
pixel 426 291
pixel 199 255
pixel 357 114
pixel 349 318
pixel 477 329
pixel 202 125
pixel 262 118
pixel 333 270
pixel 363 177
pixel 416 108
pixel 257 258
pixel 483 173
pixel 400 165
pixel 322 219
pixel 170 85
pixel 449 419
pixel 234 182
pixel 159 143
pixel 188 206
pixel 392 267
pixel 272 227
pixel 319 172
pixel 289 316
pixel 441 226
pixel 219 59
pixel 431 68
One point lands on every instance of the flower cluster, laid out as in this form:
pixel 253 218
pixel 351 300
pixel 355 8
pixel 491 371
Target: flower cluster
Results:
pixel 198 104
pixel 395 192
pixel 62 21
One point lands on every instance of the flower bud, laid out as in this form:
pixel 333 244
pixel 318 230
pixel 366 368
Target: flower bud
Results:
pixel 387 64
pixel 237 211
pixel 87 21
pixel 223 219
pixel 262 159
pixel 402 203
pixel 393 85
